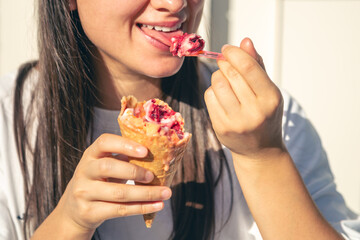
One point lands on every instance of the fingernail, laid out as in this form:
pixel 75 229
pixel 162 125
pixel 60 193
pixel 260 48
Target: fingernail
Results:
pixel 252 43
pixel 158 206
pixel 141 150
pixel 165 194
pixel 149 176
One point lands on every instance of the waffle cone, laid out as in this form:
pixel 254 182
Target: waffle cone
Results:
pixel 164 154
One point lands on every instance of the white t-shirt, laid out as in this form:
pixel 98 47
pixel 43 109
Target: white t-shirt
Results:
pixel 300 138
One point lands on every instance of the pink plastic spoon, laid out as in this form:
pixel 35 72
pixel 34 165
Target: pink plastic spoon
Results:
pixel 208 54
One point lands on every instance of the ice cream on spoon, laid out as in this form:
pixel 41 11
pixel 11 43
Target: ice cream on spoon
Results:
pixel 187 44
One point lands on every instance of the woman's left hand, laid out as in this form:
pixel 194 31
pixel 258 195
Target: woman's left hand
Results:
pixel 245 106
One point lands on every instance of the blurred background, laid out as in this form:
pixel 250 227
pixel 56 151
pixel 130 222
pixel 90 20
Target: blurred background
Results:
pixel 311 48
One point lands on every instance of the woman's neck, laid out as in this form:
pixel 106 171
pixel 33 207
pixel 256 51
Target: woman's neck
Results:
pixel 113 85
pixel 111 90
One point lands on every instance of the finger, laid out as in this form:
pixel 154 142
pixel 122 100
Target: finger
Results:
pixel 112 168
pixel 249 69
pixel 215 110
pixel 239 85
pixel 108 210
pixel 248 46
pixel 224 92
pixel 114 192
pixel 107 144
pixel 121 157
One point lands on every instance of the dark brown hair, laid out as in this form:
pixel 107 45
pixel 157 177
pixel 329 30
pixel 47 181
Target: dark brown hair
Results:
pixel 62 102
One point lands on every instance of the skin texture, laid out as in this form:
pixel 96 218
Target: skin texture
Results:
pixel 241 92
pixel 125 63
pixel 125 59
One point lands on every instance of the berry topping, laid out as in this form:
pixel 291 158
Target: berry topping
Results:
pixel 169 120
pixel 186 44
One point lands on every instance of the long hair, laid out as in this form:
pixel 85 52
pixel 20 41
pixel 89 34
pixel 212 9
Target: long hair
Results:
pixel 62 102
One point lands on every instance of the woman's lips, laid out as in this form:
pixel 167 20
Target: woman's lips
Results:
pixel 158 38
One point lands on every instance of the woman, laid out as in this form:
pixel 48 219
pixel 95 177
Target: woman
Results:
pixel 73 159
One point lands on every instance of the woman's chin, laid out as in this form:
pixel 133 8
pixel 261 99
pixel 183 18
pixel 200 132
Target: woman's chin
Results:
pixel 164 70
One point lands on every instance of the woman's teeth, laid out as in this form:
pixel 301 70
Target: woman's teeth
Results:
pixel 163 29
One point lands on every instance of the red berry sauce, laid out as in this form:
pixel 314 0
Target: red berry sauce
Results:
pixel 164 116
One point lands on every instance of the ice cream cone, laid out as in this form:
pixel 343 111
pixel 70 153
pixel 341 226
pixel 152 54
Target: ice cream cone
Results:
pixel 164 153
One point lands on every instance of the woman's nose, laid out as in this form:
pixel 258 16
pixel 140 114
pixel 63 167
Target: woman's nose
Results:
pixel 172 6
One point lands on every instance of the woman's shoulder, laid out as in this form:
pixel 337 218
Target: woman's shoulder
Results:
pixel 7 90
pixel 12 197
pixel 7 84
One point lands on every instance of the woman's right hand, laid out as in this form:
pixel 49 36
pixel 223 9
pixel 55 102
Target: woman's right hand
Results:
pixel 97 190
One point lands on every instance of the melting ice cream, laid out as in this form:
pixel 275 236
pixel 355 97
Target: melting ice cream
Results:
pixel 186 44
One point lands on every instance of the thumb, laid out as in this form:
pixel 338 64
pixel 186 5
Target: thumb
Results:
pixel 248 46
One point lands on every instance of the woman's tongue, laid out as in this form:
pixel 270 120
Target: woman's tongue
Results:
pixel 163 37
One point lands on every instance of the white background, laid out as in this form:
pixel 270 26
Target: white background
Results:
pixel 310 47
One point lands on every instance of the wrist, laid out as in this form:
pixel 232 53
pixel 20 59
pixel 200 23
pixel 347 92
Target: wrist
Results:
pixel 261 160
pixel 272 177
pixel 59 226
pixel 74 229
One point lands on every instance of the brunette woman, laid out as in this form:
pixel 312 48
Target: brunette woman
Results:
pixel 64 166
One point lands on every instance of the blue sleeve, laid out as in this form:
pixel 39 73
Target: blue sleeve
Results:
pixel 304 146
